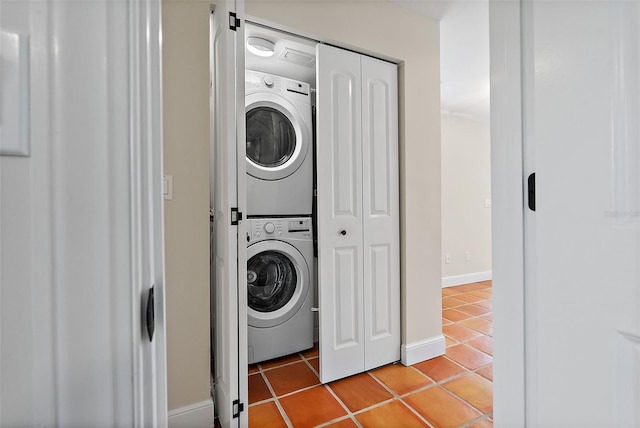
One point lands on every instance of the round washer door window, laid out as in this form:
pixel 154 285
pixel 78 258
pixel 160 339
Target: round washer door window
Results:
pixel 271 138
pixel 278 282
pixel 271 281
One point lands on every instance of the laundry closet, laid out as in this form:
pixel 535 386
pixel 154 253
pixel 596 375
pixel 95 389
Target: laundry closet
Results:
pixel 321 221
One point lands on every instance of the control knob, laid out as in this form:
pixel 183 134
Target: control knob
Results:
pixel 269 227
pixel 268 81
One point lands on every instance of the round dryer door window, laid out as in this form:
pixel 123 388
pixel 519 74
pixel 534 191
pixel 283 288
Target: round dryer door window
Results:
pixel 278 138
pixel 271 138
pixel 278 282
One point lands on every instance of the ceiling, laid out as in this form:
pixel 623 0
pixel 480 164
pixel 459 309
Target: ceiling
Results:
pixel 464 53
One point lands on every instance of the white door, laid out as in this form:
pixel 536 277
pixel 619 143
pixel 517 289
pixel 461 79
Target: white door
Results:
pixel 340 258
pixel 582 287
pixel 229 201
pixel 358 213
pixel 380 212
pixel 81 215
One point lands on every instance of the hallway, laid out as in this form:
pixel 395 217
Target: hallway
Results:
pixel 449 391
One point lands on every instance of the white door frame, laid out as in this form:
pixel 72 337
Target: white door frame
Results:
pixel 508 223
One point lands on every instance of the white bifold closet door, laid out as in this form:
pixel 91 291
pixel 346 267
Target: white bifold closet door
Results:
pixel 358 213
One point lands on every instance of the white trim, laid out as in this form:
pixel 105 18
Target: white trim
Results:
pixel 417 352
pixel 468 278
pixel 194 415
pixel 507 240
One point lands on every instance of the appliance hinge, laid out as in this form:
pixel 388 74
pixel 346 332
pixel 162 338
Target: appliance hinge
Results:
pixel 531 184
pixel 238 408
pixel 236 216
pixel 150 313
pixel 234 21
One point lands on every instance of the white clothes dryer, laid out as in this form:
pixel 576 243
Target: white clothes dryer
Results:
pixel 279 146
pixel 279 287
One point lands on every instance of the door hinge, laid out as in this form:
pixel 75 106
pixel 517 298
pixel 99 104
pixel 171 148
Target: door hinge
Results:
pixel 238 408
pixel 236 216
pixel 234 21
pixel 531 184
pixel 150 313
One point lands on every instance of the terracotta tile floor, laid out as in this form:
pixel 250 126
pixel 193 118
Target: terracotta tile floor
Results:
pixel 454 390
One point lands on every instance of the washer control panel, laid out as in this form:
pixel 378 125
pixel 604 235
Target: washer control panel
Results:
pixel 274 228
pixel 257 80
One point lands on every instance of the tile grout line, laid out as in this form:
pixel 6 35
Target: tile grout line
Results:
pixel 284 415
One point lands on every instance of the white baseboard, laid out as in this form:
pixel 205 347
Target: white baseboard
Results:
pixel 451 281
pixel 416 352
pixel 197 415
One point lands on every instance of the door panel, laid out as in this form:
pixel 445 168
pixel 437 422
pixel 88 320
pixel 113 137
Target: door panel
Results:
pixel 339 212
pixel 380 212
pixel 583 276
pixel 227 164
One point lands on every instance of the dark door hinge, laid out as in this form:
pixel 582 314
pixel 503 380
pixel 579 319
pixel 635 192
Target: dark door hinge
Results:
pixel 531 185
pixel 234 22
pixel 236 216
pixel 151 313
pixel 238 408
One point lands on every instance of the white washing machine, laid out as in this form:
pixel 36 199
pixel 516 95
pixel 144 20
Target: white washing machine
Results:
pixel 279 287
pixel 279 146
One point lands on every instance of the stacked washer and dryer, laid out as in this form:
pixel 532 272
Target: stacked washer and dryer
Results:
pixel 280 271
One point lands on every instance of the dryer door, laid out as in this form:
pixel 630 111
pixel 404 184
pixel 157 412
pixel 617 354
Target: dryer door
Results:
pixel 277 136
pixel 278 281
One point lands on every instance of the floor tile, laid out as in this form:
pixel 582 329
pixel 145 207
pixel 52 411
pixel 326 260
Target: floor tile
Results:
pixel 454 315
pixel 450 291
pixel 315 363
pixel 449 341
pixel 279 361
pixel 474 389
pixel 253 368
pixel 488 317
pixel 450 302
pixel 265 415
pixel 473 310
pixel 468 298
pixel 487 372
pixel 485 294
pixel 312 407
pixel 258 390
pixel 345 423
pixel 478 324
pixel 445 321
pixel 484 304
pixel 468 357
pixel 482 423
pixel 360 391
pixel 401 379
pixel 313 352
pixel 482 343
pixel 441 408
pixel 460 333
pixel 393 414
pixel 291 378
pixel 439 368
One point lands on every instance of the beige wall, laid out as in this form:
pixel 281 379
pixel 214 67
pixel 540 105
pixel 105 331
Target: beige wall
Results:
pixel 185 71
pixel 466 183
pixel 371 26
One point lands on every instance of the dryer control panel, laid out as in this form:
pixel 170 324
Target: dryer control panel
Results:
pixel 274 228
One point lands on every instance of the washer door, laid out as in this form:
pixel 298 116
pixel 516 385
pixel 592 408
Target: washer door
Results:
pixel 278 281
pixel 277 137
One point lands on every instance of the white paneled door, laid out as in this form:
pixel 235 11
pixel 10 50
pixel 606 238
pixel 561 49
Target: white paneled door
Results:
pixel 82 321
pixel 580 102
pixel 358 274
pixel 229 201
